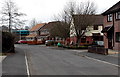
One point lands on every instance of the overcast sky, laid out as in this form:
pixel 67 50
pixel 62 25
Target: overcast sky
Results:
pixel 44 10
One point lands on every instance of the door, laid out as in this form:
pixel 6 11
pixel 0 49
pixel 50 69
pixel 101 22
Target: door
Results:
pixel 110 39
pixel 110 44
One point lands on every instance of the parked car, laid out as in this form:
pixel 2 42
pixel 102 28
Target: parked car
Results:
pixel 16 42
pixel 49 42
pixel 22 42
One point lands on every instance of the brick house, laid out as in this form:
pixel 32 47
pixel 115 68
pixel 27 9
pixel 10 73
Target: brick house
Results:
pixel 40 33
pixel 93 33
pixel 35 34
pixel 51 35
pixel 112 27
pixel 45 30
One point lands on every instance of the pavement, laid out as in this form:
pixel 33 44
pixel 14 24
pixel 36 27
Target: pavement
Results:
pixel 2 58
pixel 107 58
pixel 113 53
pixel 14 64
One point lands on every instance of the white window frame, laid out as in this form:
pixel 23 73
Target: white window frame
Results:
pixel 109 17
pixel 118 15
pixel 117 36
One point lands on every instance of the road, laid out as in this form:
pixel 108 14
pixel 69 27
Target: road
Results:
pixel 43 60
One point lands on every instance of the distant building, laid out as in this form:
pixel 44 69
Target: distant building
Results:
pixel 112 27
pixel 20 34
pixel 41 32
pixel 35 34
pixel 47 28
pixel 93 33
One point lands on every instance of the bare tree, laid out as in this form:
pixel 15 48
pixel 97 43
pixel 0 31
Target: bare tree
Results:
pixel 84 18
pixel 27 27
pixel 11 15
pixel 82 15
pixel 59 29
pixel 34 22
pixel 62 29
pixel 82 24
pixel 68 11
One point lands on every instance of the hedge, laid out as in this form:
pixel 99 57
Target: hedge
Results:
pixel 76 47
pixel 7 42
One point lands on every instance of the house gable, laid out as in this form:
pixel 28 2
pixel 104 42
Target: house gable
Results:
pixel 37 27
pixel 113 9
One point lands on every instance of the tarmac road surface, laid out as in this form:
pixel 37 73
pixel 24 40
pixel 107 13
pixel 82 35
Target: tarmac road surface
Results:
pixel 44 60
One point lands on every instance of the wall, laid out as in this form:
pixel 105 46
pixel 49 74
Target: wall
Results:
pixel 116 45
pixel 73 39
pixel 117 29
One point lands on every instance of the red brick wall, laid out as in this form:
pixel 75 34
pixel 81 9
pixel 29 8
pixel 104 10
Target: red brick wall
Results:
pixel 74 39
pixel 88 38
pixel 116 29
pixel 105 40
pixel 107 23
pixel 105 34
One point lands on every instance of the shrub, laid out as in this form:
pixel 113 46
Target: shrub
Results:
pixel 7 42
pixel 76 47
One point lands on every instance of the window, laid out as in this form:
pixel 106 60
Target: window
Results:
pixel 17 32
pixel 109 18
pixel 118 15
pixel 96 34
pixel 38 32
pixel 117 36
pixel 95 27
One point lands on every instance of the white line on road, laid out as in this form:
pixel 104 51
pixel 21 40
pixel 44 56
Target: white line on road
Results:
pixel 102 61
pixel 28 72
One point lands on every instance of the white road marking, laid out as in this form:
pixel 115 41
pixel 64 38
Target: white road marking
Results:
pixel 102 61
pixel 28 71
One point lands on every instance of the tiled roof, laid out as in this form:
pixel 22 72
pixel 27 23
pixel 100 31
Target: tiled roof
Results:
pixel 50 24
pixel 95 19
pixel 37 27
pixel 114 8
